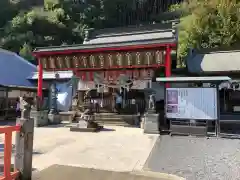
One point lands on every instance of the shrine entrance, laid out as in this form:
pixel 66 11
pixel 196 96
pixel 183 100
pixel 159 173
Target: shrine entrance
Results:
pixel 136 52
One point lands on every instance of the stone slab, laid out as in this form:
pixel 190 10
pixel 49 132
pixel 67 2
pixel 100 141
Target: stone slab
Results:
pixel 40 118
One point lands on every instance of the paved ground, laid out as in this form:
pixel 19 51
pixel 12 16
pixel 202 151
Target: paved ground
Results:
pixel 59 172
pixel 117 148
pixel 196 158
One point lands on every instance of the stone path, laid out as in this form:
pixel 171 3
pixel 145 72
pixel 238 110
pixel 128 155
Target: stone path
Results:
pixel 117 148
pixel 196 158
pixel 58 172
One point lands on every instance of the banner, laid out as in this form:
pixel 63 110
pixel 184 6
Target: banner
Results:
pixel 191 103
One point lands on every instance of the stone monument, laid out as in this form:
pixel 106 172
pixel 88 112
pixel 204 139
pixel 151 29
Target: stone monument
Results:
pixel 151 117
pixel 38 113
pixel 86 122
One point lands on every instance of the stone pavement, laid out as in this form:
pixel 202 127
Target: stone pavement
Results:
pixel 196 158
pixel 116 148
pixel 59 172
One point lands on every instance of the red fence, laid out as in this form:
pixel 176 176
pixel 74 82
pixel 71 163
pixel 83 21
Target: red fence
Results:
pixel 7 131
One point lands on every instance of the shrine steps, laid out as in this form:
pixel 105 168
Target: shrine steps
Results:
pixel 114 119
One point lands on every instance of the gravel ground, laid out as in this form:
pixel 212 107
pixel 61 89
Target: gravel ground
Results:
pixel 196 158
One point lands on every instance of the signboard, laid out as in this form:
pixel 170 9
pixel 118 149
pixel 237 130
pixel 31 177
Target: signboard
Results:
pixel 191 103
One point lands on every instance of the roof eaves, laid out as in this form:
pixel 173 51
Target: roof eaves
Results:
pixel 103 45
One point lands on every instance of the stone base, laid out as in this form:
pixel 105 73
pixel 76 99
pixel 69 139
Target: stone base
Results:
pixel 151 124
pixel 40 118
pixel 78 129
pixel 54 118
pixel 67 116
pixel 85 126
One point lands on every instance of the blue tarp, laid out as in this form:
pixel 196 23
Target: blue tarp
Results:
pixel 14 70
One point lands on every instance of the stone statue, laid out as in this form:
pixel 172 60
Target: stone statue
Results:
pixel 25 108
pixel 151 102
pixel 75 103
pixel 34 105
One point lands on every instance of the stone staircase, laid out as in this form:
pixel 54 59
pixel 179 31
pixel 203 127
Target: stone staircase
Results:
pixel 114 119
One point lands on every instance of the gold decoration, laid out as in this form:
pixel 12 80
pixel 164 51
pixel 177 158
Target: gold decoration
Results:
pixel 101 60
pixel 84 60
pixel 59 62
pixel 44 62
pixel 52 62
pixel 129 59
pixel 110 60
pixel 119 59
pixel 148 58
pixel 68 62
pixel 138 58
pixel 92 60
pixel 159 57
pixel 75 61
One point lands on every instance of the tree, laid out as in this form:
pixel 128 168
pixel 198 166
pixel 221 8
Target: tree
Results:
pixel 26 52
pixel 208 24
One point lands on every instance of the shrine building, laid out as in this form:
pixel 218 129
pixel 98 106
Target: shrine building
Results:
pixel 140 52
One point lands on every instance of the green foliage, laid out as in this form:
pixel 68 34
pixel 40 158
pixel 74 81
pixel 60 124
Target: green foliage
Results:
pixel 26 24
pixel 208 24
pixel 26 52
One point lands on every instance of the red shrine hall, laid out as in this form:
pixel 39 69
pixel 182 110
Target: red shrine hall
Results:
pixel 135 51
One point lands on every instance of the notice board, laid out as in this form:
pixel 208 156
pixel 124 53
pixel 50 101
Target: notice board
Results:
pixel 191 103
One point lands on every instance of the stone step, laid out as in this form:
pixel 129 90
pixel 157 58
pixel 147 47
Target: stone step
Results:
pixel 105 118
pixel 112 123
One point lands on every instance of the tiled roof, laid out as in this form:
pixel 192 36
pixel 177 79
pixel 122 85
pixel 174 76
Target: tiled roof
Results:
pixel 50 75
pixel 122 37
pixel 14 69
pixel 214 61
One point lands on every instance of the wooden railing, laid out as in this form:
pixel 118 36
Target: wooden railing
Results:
pixel 24 129
pixel 8 131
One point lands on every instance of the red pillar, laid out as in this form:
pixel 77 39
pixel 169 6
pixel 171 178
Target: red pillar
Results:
pixel 40 79
pixel 168 64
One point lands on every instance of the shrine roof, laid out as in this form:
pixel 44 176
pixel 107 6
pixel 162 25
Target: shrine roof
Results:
pixel 121 37
pixel 213 61
pixel 50 75
pixel 14 69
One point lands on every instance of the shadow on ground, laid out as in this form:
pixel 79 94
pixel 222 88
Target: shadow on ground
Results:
pixel 60 172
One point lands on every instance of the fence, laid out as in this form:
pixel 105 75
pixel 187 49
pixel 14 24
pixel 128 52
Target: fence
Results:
pixel 8 131
pixel 23 150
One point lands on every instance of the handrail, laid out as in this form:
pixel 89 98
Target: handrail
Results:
pixel 7 131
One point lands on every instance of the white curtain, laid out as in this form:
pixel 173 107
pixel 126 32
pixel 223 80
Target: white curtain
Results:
pixel 64 96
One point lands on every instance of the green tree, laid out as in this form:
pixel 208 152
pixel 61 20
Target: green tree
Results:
pixel 26 52
pixel 208 24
